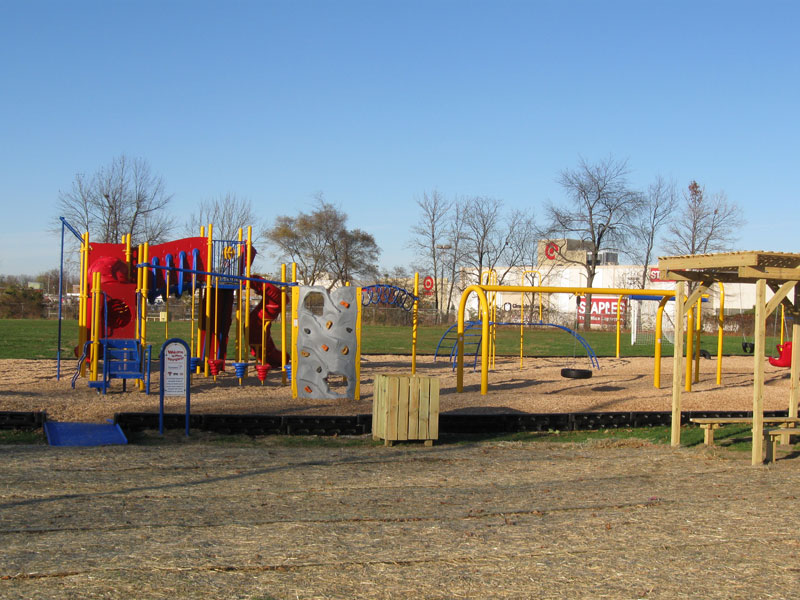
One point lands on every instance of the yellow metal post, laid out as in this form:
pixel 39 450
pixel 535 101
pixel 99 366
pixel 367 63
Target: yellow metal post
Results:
pixel 357 391
pixel 96 312
pixel 83 298
pixel 126 239
pixel 689 347
pixel 783 323
pixel 414 316
pixel 209 268
pixel 522 311
pixel 248 285
pixel 295 303
pixel 283 325
pixel 619 303
pixel 145 289
pixel 192 324
pixel 659 332
pixel 720 330
pixel 139 273
pixel 698 331
pixel 166 303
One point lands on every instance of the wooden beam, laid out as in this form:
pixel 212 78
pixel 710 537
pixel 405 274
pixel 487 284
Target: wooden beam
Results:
pixel 780 295
pixel 708 261
pixel 677 364
pixel 698 291
pixel 775 273
pixel 787 304
pixel 676 276
pixel 758 373
pixel 707 275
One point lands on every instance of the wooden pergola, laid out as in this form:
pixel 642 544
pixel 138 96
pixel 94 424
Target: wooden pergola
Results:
pixel 781 272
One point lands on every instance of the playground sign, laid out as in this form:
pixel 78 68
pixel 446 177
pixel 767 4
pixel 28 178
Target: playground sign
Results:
pixel 175 376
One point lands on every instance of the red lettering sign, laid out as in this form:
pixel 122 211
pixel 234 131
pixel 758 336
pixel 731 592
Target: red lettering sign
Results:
pixel 603 312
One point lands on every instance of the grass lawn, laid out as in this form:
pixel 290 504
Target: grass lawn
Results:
pixel 38 339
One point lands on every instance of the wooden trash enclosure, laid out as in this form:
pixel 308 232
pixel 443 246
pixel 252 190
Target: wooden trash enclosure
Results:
pixel 405 407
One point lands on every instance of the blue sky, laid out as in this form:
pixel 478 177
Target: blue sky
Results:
pixel 374 103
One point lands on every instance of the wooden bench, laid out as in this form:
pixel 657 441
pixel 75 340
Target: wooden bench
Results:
pixel 709 424
pixel 771 439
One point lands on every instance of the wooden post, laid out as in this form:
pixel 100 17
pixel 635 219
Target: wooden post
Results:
pixel 758 373
pixel 677 364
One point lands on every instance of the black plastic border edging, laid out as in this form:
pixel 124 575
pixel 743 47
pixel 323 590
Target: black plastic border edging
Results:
pixel 448 423
pixel 22 420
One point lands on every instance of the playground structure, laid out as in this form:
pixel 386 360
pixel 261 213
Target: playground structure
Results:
pixel 779 271
pixel 113 315
pixel 117 283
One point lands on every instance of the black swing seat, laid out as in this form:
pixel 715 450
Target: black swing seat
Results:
pixel 576 373
pixel 748 347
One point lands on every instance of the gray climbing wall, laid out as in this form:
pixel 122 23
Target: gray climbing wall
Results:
pixel 326 349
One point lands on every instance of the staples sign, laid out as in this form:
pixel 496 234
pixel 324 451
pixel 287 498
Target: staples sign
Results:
pixel 655 275
pixel 604 310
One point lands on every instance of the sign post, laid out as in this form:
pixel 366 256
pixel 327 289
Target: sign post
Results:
pixel 175 376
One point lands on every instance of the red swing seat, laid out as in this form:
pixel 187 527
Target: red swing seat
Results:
pixel 785 356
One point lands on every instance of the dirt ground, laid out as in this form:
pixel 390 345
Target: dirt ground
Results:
pixel 624 384
pixel 201 519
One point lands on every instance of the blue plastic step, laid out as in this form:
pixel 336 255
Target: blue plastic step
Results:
pixel 83 434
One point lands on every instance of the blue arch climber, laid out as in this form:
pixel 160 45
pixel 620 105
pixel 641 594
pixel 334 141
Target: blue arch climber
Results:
pixel 470 339
pixel 381 293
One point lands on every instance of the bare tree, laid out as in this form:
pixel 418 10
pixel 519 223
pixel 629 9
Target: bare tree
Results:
pixel 704 223
pixel 229 213
pixel 354 255
pixel 463 239
pixel 124 197
pixel 451 253
pixel 599 212
pixel 429 239
pixel 492 239
pixel 322 246
pixel 657 209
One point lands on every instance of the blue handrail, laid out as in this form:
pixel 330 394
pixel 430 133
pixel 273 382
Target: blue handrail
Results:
pixel 381 293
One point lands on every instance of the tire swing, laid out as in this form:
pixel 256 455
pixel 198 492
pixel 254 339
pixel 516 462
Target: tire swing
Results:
pixel 570 373
pixel 576 373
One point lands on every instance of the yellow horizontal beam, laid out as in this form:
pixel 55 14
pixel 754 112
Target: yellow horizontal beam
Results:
pixel 582 291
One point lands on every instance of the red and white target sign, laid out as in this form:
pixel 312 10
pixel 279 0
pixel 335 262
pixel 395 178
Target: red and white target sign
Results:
pixel 551 250
pixel 427 285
